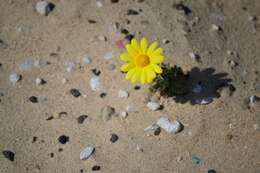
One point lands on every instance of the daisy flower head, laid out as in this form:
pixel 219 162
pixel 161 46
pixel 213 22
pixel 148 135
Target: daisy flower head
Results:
pixel 142 61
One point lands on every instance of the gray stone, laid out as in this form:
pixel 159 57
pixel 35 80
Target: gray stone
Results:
pixel 86 153
pixel 14 78
pixel 169 126
pixel 44 7
pixel 153 106
pixel 95 83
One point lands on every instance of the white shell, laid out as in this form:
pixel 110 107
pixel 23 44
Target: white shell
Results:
pixel 86 153
pixel 169 126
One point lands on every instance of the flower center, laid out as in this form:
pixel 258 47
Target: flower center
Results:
pixel 142 60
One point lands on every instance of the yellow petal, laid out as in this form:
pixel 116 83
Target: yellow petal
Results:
pixel 156 59
pixel 143 77
pixel 157 69
pixel 150 74
pixel 152 47
pixel 130 74
pixel 131 50
pixel 144 44
pixel 158 51
pixel 136 76
pixel 135 44
pixel 127 67
pixel 125 57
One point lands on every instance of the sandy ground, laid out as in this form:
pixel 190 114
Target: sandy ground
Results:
pixel 223 135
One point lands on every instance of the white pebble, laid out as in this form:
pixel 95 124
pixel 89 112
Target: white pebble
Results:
pixel 43 8
pixel 71 66
pixel 215 27
pixel 14 78
pixel 253 99
pixel 153 106
pixel 122 94
pixel 204 101
pixel 102 38
pixel 64 80
pixel 99 4
pixel 86 153
pixel 123 114
pixel 95 84
pixel 169 126
pixel 108 56
pixel 87 60
pixel 229 52
pixel 39 81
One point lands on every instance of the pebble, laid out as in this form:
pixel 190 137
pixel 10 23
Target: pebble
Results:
pixel 86 153
pixel 99 4
pixel 75 92
pixel 252 18
pixel 114 1
pixel 204 101
pixel 102 38
pixel 132 12
pixel 108 56
pixel 87 60
pixel 153 105
pixel 96 72
pixel 197 88
pixel 169 126
pixel 113 138
pixel 33 99
pixel 232 63
pixel 102 95
pixel 39 81
pixel 64 80
pixel 253 100
pixel 107 112
pixel 216 27
pixel 95 83
pixel 14 78
pixel 44 7
pixel 194 56
pixel 212 171
pixel 9 155
pixel 229 52
pixel 137 87
pixel 96 168
pixel 123 94
pixel 195 160
pixel 81 119
pixel 71 66
pixel 154 128
pixel 63 139
pixel 165 41
pixel 123 114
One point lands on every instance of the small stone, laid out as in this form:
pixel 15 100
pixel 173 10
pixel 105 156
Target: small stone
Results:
pixel 139 149
pixel 81 119
pixel 179 158
pixel 229 52
pixel 34 139
pixel 215 27
pixel 123 94
pixel 95 84
pixel 63 139
pixel 113 138
pixel 181 7
pixel 87 60
pixel 169 126
pixel 195 160
pixel 232 63
pixel 153 106
pixel 252 18
pixel 194 56
pixel 107 112
pixel 102 95
pixel 165 41
pixel 71 66
pixel 111 67
pixel 124 31
pixel 256 126
pixel 39 81
pixel 204 101
pixel 108 56
pixel 99 4
pixel 137 87
pixel 86 153
pixel 102 38
pixel 75 92
pixel 64 80
pixel 14 78
pixel 154 128
pixel 8 155
pixel 114 1
pixel 91 21
pixel 33 99
pixel 96 168
pixel 132 12
pixel 123 114
pixel 253 100
pixel 44 7
pixel 51 155
pixel 49 118
pixel 212 171
pixel 96 72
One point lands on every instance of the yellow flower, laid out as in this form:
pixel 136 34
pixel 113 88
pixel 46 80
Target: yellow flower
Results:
pixel 142 61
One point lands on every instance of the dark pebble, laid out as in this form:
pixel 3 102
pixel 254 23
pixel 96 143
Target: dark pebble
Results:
pixel 129 37
pixel 60 149
pixel 96 168
pixel 113 138
pixel 33 99
pixel 34 139
pixel 182 7
pixel 92 21
pixel 212 171
pixel 81 171
pixel 63 139
pixel 75 92
pixel 124 31
pixel 137 87
pixel 9 155
pixel 96 72
pixel 81 118
pixel 102 95
pixel 114 1
pixel 51 155
pixel 132 12
pixel 3 44
pixel 49 118
pixel 54 54
pixel 157 132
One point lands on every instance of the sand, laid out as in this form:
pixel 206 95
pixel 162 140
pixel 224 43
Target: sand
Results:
pixel 223 135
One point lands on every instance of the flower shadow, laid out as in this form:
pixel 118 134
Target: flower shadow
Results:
pixel 203 85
